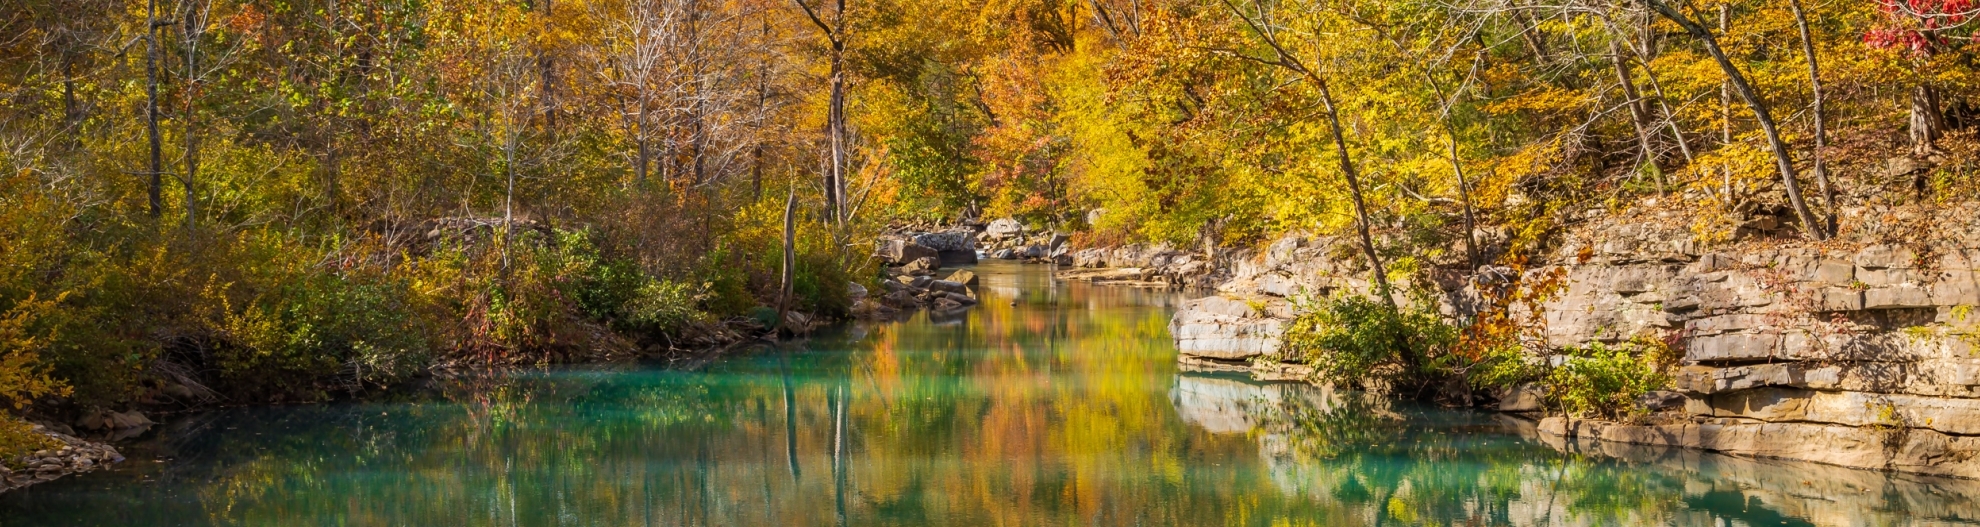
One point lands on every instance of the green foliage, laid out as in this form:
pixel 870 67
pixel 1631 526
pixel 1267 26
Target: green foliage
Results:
pixel 280 326
pixel 1500 367
pixel 1603 381
pixel 1357 340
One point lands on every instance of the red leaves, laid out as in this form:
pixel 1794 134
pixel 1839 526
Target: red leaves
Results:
pixel 1920 27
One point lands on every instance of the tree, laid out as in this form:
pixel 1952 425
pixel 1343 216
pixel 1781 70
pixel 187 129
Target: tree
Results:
pixel 1283 58
pixel 1821 168
pixel 1783 160
pixel 835 119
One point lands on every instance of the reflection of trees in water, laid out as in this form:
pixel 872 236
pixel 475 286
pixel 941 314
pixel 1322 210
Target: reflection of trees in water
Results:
pixel 1394 463
pixel 1385 462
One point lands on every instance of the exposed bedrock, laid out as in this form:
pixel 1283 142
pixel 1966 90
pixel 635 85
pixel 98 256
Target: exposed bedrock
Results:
pixel 1872 336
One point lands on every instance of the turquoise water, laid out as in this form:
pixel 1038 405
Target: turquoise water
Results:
pixel 1050 404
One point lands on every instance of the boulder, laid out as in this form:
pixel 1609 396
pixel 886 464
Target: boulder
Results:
pixel 855 291
pixel 1227 328
pixel 925 263
pixel 1524 398
pixel 1003 228
pixel 902 300
pixel 947 286
pixel 956 240
pixel 896 251
pixel 964 277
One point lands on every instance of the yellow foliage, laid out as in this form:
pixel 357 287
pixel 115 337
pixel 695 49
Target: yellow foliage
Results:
pixel 22 376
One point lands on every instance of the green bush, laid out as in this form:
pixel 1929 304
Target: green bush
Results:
pixel 1603 382
pixel 1356 340
pixel 279 324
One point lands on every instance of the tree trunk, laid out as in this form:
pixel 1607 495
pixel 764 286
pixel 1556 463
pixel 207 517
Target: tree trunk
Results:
pixel 191 35
pixel 762 114
pixel 1639 111
pixel 508 197
pixel 1821 168
pixel 1361 224
pixel 1670 115
pixel 1287 60
pixel 785 285
pixel 642 162
pixel 835 176
pixel 1530 34
pixel 1725 91
pixel 1782 160
pixel 154 192
pixel 547 68
pixel 1927 124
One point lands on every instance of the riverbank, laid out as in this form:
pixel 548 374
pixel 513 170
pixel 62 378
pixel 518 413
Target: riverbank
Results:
pixel 1048 387
pixel 1857 352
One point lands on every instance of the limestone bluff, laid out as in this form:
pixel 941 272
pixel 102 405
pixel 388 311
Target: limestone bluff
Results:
pixel 1859 351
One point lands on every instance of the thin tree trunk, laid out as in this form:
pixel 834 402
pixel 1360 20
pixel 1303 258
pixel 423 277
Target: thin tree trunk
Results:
pixel 1377 272
pixel 1530 34
pixel 835 120
pixel 1725 90
pixel 1815 112
pixel 1670 115
pixel 1639 111
pixel 1353 177
pixel 154 192
pixel 191 35
pixel 508 198
pixel 1444 101
pixel 642 161
pixel 785 285
pixel 762 113
pixel 547 67
pixel 835 177
pixel 1782 160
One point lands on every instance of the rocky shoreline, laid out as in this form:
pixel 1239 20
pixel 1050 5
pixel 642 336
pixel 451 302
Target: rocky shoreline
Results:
pixel 74 456
pixel 1861 352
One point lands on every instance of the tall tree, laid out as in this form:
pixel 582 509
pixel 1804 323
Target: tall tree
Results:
pixel 1285 59
pixel 1783 160
pixel 1821 168
pixel 835 119
pixel 155 191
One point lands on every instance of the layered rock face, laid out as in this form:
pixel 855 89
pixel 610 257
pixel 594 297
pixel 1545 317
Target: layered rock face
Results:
pixel 1859 352
pixel 1863 351
pixel 1255 297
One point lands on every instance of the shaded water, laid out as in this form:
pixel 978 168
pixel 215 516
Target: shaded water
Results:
pixel 1063 408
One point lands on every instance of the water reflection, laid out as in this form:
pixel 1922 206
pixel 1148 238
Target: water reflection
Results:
pixel 1412 464
pixel 1047 404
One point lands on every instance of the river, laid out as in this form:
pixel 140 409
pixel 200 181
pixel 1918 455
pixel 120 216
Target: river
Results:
pixel 1051 403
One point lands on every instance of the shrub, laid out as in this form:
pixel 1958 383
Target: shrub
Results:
pixel 22 375
pixel 283 325
pixel 1352 339
pixel 1603 381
